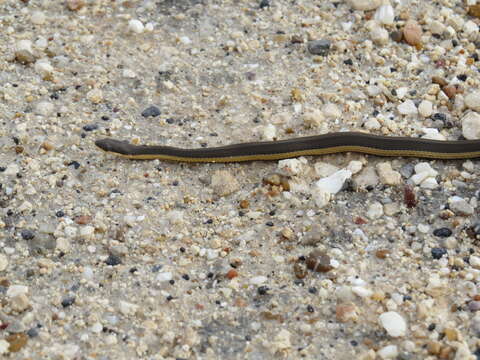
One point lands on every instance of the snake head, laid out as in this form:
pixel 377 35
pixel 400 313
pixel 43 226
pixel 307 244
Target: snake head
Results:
pixel 112 145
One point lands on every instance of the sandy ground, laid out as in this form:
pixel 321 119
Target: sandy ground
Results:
pixel 106 258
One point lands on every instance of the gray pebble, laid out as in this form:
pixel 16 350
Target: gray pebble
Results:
pixel 151 111
pixel 319 47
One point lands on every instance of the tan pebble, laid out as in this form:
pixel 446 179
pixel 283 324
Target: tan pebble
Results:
pixel 296 39
pixel 244 204
pixel 451 334
pixel 47 146
pixel 439 81
pixel 474 10
pixel 20 303
pixel 446 352
pixel 83 219
pixel 378 296
pixel 75 5
pixel 318 261
pixel 412 32
pixel 346 312
pixel 433 347
pixel 397 36
pixel 16 341
pixel 300 270
pixel 287 233
pixel 382 253
pixel 224 183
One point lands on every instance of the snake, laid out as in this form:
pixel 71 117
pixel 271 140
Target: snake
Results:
pixel 330 143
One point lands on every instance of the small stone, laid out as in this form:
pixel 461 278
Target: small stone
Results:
pixel 450 91
pixel 113 260
pixel 437 253
pixel 38 18
pixel 319 47
pixel 475 261
pixel 269 132
pixel 346 312
pixel 412 33
pixel 87 232
pixel 393 323
pixel 24 53
pixel 164 276
pixel 68 301
pixel 313 118
pixel 385 15
pixel 425 108
pixel 264 4
pixel 3 262
pixel 258 280
pixel 472 100
pixel 442 232
pixel 135 26
pixel 375 210
pixel 460 206
pixel 333 183
pixel 331 111
pixel 27 234
pixel 379 35
pixel 127 309
pixel 474 306
pixel 44 108
pixel 95 96
pixel 388 352
pixel 16 342
pixel 224 183
pixel 407 108
pixel 471 126
pixel 43 68
pixel 290 167
pixel 17 290
pixel 387 175
pixel 62 245
pixel 20 303
pixel 432 134
pixel 318 261
pixel 364 5
pixel 75 5
pixel 4 345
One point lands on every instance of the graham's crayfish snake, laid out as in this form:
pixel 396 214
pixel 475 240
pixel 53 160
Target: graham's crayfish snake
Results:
pixel 312 145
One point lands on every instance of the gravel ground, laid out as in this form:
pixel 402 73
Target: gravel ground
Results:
pixel 336 257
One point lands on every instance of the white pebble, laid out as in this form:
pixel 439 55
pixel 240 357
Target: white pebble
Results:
pixel 401 92
pixel 334 183
pixel 362 291
pixel 471 126
pixel 44 108
pixel 375 210
pixel 425 108
pixel 379 35
pixel 385 15
pixel 87 232
pixel 432 134
pixel 135 26
pixel 258 280
pixel 269 132
pixel 388 352
pixel 407 108
pixel 17 290
pixel 24 52
pixel 323 169
pixel 38 18
pixel 185 40
pixel 12 169
pixel 355 166
pixel 4 346
pixel 321 197
pixel 364 5
pixel 129 74
pixel 429 183
pixel 164 276
pixel 3 262
pixel 290 166
pixel 43 68
pixel 313 118
pixel 372 124
pixel 70 231
pixel 331 111
pixel 127 308
pixel 393 323
pixel 472 100
pixel 87 273
pixel 96 328
pixel 387 175
pixel 475 261
pixel 95 96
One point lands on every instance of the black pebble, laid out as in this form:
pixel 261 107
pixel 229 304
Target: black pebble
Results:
pixel 113 260
pixel 312 290
pixel 105 118
pixel 68 301
pixel 90 127
pixel 264 4
pixel 75 164
pixel 310 309
pixel 2 168
pixel 269 223
pixel 59 214
pixel 442 232
pixel 262 290
pixel 437 253
pixel 27 234
pixel 319 47
pixel 348 62
pixel 439 116
pixel 151 111
pixel 462 77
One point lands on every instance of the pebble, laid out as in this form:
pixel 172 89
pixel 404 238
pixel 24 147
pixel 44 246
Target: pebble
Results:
pixel 425 108
pixel 472 100
pixel 412 33
pixel 442 232
pixel 364 5
pixel 128 309
pixel 319 47
pixel 393 323
pixel 95 96
pixel 407 108
pixel 164 276
pixel 475 261
pixel 17 290
pixel 38 18
pixel 333 183
pixel 44 108
pixel 27 234
pixel 375 210
pixel 331 111
pixel 313 118
pixel 24 52
pixel 75 5
pixel 385 15
pixel 4 345
pixel 432 134
pixel 12 169
pixel 113 260
pixel 135 26
pixel 87 232
pixel 324 169
pixel 423 171
pixel 460 206
pixel 346 312
pixel 224 183
pixel 379 35
pixel 290 166
pixel 269 132
pixel 43 68
pixel 3 262
pixel 318 261
pixel 437 253
pixel 151 111
pixel 474 306
pixel 388 352
pixel 387 175
pixel 258 280
pixel 471 126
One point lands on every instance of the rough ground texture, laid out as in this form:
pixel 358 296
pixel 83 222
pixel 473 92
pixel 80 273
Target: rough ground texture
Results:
pixel 342 257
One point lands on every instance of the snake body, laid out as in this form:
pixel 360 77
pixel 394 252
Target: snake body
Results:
pixel 312 145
